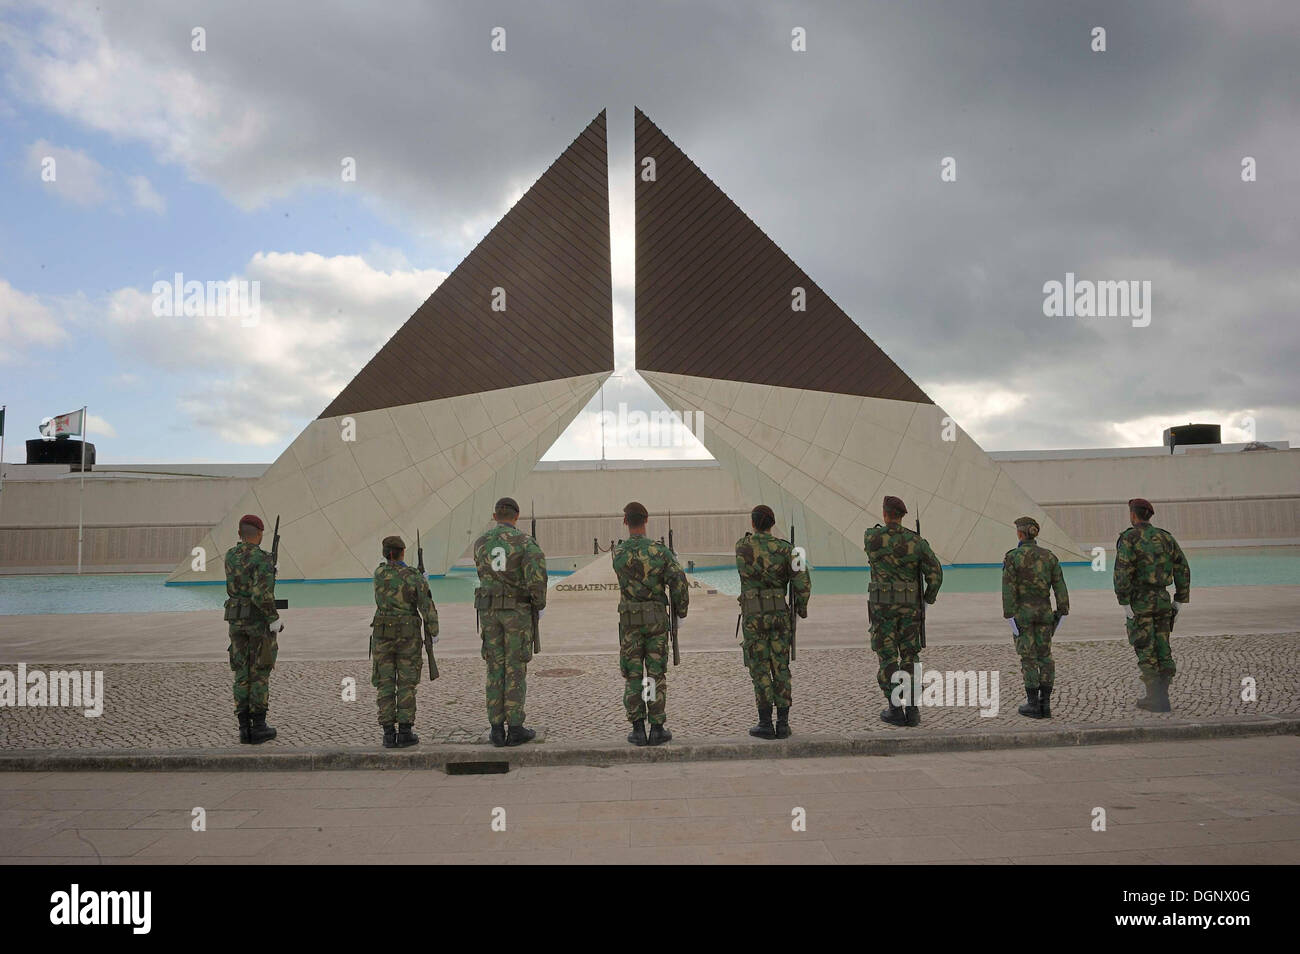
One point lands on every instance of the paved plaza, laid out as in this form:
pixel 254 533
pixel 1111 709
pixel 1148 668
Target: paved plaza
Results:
pixel 576 698
pixel 1204 802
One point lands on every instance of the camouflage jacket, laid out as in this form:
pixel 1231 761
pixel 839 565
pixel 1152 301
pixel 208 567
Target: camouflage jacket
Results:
pixel 766 562
pixel 401 590
pixel 1147 560
pixel 645 568
pixel 1030 574
pixel 894 552
pixel 250 576
pixel 510 561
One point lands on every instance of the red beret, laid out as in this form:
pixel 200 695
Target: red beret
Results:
pixel 895 505
pixel 253 520
pixel 1142 507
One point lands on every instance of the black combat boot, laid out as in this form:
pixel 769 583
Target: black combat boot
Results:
pixel 894 715
pixel 1162 695
pixel 258 730
pixel 913 714
pixel 405 737
pixel 637 735
pixel 390 736
pixel 1045 702
pixel 1149 700
pixel 518 735
pixel 243 727
pixel 659 734
pixel 1031 707
pixel 498 734
pixel 764 728
pixel 783 722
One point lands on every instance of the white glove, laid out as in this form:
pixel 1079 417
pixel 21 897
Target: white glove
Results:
pixel 1128 612
pixel 541 613
pixel 277 627
pixel 433 640
pixel 1015 630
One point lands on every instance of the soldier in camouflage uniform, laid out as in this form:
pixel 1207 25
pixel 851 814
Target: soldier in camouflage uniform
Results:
pixel 1147 560
pixel 1030 574
pixel 254 624
pixel 767 565
pixel 402 600
pixel 645 568
pixel 893 604
pixel 512 587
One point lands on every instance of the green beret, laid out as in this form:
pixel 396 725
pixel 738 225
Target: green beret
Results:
pixel 1028 524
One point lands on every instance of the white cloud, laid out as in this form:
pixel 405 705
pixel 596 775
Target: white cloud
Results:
pixel 320 320
pixel 77 178
pixel 145 195
pixel 98 427
pixel 25 322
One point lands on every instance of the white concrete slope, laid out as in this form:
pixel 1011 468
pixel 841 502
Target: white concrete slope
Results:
pixel 827 459
pixel 437 466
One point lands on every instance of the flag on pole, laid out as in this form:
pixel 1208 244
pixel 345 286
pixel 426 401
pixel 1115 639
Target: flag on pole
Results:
pixel 74 422
pixel 2 422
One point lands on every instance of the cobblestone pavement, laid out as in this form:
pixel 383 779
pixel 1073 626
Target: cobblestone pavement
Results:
pixel 577 698
pixel 1214 801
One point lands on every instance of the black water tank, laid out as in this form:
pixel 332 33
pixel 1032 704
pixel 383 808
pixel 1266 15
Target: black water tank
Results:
pixel 61 450
pixel 1192 434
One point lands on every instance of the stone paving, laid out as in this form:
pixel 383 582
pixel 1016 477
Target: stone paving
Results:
pixel 1214 801
pixel 577 698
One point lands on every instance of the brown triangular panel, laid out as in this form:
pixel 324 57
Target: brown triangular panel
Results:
pixel 713 293
pixel 551 254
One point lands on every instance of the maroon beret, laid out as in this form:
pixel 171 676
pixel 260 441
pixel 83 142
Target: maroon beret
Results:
pixel 253 520
pixel 636 513
pixel 894 505
pixel 1142 507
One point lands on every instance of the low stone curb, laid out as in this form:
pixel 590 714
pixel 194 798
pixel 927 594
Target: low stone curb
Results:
pixel 889 742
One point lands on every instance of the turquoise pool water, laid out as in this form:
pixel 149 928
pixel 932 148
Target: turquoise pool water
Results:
pixel 145 592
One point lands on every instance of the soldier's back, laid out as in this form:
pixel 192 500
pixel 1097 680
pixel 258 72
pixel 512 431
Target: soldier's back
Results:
pixel 763 561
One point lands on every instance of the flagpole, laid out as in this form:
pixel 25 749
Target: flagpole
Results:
pixel 3 408
pixel 81 499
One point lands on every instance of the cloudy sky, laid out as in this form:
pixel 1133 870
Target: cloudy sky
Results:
pixel 224 163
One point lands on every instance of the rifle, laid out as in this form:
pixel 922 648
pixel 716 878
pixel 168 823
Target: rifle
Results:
pixel 790 598
pixel 920 586
pixel 672 610
pixel 537 635
pixel 424 581
pixel 275 561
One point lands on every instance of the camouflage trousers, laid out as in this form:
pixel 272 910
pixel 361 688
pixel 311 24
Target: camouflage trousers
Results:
pixel 643 660
pixel 896 641
pixel 252 682
pixel 1148 634
pixel 767 656
pixel 507 649
pixel 1034 647
pixel 395 674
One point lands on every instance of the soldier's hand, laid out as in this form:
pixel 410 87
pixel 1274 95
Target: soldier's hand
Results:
pixel 1015 630
pixel 277 627
pixel 1128 612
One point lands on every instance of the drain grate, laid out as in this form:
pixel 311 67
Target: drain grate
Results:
pixel 477 768
pixel 560 673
